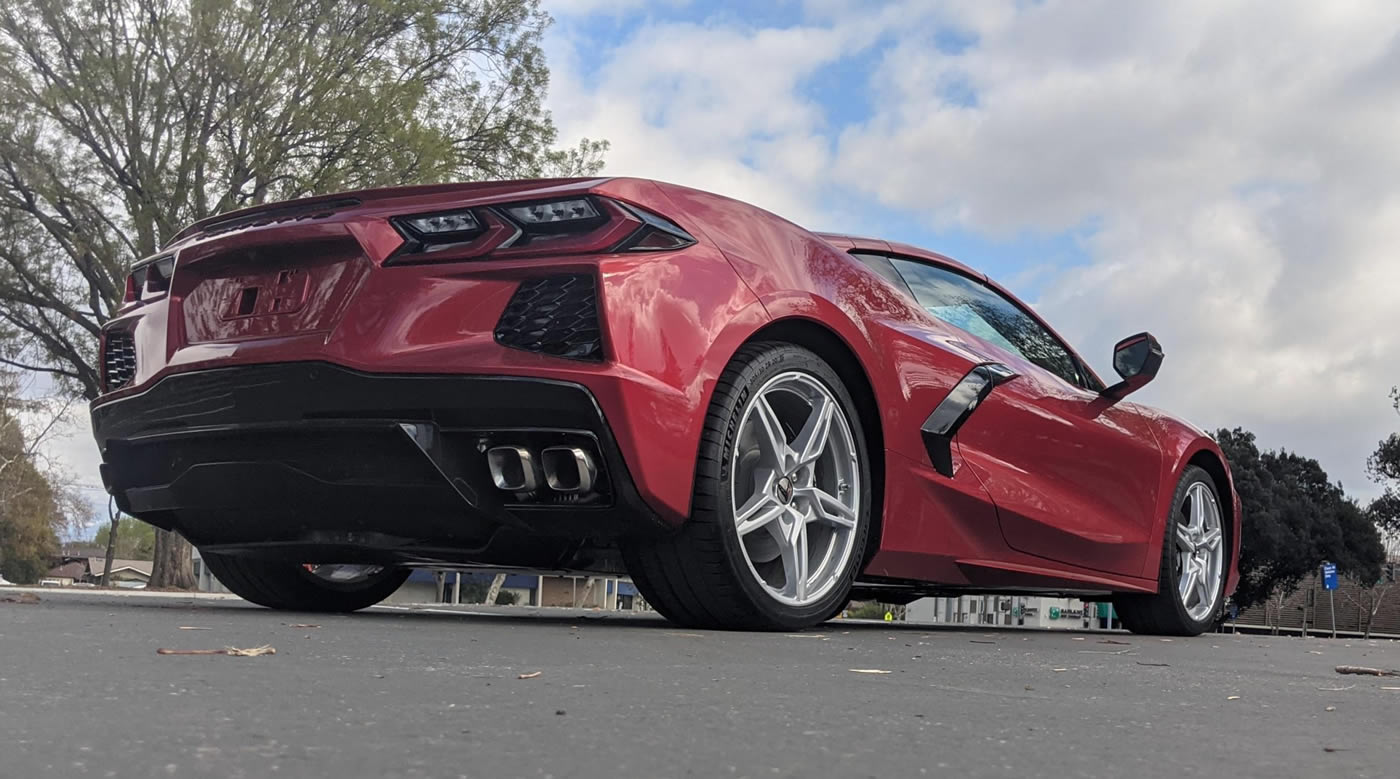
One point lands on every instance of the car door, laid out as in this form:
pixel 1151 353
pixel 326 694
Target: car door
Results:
pixel 1072 474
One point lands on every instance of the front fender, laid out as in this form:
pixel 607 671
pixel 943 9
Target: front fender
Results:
pixel 1183 445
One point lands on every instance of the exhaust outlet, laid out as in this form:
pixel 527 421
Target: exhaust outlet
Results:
pixel 568 469
pixel 512 468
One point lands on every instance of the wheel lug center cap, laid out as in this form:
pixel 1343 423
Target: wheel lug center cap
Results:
pixel 783 490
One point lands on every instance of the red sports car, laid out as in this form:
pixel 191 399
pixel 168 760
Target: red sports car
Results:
pixel 755 422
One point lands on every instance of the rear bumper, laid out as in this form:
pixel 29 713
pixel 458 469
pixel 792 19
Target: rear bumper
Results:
pixel 304 454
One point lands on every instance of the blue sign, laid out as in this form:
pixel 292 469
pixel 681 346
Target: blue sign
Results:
pixel 1329 576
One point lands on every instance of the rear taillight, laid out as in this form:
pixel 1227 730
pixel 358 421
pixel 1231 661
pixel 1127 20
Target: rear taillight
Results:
pixel 135 285
pixel 575 225
pixel 152 277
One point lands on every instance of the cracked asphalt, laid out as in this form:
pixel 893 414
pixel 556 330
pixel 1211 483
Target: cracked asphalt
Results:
pixel 395 692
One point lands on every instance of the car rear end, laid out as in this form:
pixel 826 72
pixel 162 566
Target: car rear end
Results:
pixel 431 373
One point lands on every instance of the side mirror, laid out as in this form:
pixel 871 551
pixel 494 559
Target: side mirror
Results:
pixel 1136 359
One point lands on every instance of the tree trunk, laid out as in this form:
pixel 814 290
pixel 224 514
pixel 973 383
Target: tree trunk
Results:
pixel 496 583
pixel 173 568
pixel 581 598
pixel 111 549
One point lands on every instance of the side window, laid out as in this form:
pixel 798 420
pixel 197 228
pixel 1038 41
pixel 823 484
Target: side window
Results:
pixel 971 306
pixel 881 265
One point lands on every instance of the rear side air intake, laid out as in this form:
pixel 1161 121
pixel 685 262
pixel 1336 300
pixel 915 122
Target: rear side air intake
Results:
pixel 118 359
pixel 554 315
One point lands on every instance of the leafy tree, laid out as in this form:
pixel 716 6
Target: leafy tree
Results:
pixel 123 120
pixel 136 540
pixel 1384 468
pixel 1293 519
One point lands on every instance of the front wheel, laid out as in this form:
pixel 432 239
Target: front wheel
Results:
pixel 290 586
pixel 1191 581
pixel 780 513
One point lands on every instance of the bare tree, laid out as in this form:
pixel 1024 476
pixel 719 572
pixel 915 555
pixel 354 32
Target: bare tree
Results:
pixel 37 501
pixel 1368 599
pixel 123 120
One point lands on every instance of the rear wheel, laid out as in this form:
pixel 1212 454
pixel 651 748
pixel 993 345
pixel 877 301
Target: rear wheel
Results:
pixel 1191 582
pixel 780 513
pixel 289 586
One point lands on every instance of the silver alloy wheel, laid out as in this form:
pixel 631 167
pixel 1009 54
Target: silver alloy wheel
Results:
pixel 795 488
pixel 1200 551
pixel 337 573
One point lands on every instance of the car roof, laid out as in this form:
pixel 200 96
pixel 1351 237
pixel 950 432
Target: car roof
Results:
pixel 862 243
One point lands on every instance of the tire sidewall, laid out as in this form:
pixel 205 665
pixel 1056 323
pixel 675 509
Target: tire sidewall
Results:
pixel 785 358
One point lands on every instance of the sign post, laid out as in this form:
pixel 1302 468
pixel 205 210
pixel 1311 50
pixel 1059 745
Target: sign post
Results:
pixel 1329 583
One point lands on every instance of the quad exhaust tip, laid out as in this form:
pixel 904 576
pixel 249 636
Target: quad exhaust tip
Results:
pixel 568 469
pixel 512 468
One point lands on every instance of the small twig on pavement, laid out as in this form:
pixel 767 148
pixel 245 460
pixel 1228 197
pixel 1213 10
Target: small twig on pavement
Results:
pixel 1361 670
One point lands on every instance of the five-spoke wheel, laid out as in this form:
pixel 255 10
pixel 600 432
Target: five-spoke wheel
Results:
pixel 780 513
pixel 796 488
pixel 1200 551
pixel 1191 579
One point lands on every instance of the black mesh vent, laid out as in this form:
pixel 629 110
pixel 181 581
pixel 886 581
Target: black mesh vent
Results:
pixel 556 315
pixel 118 359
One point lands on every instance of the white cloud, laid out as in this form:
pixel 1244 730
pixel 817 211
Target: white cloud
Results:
pixel 711 106
pixel 1236 161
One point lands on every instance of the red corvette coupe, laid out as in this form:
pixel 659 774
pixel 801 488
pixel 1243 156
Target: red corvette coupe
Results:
pixel 755 422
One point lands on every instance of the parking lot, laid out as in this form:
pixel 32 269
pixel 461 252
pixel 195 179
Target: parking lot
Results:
pixel 400 692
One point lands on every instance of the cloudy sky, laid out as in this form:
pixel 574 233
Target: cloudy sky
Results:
pixel 1224 174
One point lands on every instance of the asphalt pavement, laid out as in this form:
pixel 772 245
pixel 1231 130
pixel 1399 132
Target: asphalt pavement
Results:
pixel 419 693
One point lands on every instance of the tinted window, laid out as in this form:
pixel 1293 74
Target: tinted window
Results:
pixel 975 308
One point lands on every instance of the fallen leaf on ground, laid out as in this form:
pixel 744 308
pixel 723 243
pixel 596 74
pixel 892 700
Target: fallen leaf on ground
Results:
pixel 1079 638
pixel 1314 652
pixel 868 671
pixel 531 675
pixel 1233 698
pixel 232 651
pixel 1330 708
pixel 257 651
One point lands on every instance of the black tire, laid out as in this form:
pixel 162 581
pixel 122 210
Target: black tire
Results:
pixel 1163 613
pixel 288 586
pixel 698 577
